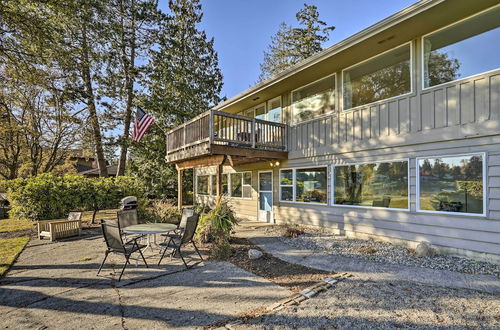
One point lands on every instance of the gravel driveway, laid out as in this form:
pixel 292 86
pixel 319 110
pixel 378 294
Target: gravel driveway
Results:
pixel 354 304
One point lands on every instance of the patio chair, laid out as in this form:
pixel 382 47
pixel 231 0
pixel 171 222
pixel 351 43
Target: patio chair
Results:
pixel 177 243
pixel 128 218
pixel 114 243
pixel 186 213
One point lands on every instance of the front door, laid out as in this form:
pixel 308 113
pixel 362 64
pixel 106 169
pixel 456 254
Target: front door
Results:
pixel 265 212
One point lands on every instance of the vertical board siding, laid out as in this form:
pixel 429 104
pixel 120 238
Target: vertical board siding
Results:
pixel 472 100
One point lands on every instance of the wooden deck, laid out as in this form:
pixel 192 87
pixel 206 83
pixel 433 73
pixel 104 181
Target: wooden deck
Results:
pixel 241 139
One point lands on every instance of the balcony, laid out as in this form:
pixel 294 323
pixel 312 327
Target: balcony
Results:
pixel 216 135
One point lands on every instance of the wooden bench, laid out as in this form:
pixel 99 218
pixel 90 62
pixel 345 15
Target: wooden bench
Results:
pixel 55 229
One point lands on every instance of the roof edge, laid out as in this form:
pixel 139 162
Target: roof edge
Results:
pixel 356 38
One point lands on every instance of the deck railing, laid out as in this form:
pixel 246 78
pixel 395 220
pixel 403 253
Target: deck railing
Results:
pixel 221 128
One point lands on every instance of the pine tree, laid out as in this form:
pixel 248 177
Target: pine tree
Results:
pixel 292 45
pixel 184 81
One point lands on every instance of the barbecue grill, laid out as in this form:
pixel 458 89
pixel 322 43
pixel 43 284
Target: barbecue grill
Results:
pixel 128 203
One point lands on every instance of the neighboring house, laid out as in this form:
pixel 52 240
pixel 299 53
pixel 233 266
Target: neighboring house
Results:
pixel 82 161
pixel 94 173
pixel 392 133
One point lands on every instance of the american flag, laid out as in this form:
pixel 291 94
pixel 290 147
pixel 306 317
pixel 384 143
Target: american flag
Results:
pixel 141 125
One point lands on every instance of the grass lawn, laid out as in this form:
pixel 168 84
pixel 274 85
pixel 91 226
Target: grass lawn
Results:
pixel 14 225
pixel 10 249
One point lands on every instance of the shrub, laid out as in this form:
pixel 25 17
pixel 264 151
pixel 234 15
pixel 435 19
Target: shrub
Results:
pixel 49 197
pixel 215 227
pixel 293 231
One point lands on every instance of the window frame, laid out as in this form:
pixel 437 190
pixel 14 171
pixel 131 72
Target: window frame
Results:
pixel 243 185
pixel 422 55
pixel 373 207
pixel 281 107
pixel 412 78
pixel 485 185
pixel 208 185
pixel 294 176
pixel 292 185
pixel 335 106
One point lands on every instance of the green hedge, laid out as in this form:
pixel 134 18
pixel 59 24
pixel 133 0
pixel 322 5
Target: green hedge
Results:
pixel 52 197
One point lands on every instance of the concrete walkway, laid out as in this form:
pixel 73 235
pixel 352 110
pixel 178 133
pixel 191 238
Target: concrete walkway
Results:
pixel 365 270
pixel 54 286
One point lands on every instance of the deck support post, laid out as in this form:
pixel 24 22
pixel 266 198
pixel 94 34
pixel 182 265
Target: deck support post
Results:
pixel 180 193
pixel 219 184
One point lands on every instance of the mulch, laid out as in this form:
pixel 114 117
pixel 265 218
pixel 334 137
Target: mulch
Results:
pixel 291 276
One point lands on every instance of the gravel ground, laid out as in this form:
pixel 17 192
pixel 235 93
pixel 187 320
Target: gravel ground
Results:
pixel 383 252
pixel 354 304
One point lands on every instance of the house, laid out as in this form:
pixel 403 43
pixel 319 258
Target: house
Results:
pixel 413 99
pixel 94 172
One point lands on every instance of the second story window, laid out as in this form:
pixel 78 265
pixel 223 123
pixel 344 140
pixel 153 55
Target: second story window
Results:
pixel 464 49
pixel 384 76
pixel 313 100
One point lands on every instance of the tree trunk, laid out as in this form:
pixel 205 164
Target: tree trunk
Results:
pixel 128 70
pixel 94 119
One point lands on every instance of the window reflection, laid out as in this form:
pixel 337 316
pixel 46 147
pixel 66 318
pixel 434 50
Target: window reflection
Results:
pixel 463 49
pixel 387 75
pixel 313 100
pixel 311 185
pixel 451 184
pixel 202 185
pixel 376 185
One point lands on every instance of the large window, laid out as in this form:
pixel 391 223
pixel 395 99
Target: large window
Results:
pixel 311 185
pixel 313 100
pixel 463 49
pixel 286 185
pixel 382 77
pixel 202 184
pixel 452 184
pixel 372 185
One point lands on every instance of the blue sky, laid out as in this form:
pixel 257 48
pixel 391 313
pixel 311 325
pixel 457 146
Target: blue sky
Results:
pixel 243 28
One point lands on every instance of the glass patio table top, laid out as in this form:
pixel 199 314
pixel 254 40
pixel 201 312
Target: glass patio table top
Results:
pixel 149 228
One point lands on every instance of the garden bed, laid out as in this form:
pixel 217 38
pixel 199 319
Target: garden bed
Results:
pixel 383 252
pixel 291 276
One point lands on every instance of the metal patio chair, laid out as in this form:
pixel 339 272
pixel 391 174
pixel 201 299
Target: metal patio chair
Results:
pixel 114 244
pixel 177 243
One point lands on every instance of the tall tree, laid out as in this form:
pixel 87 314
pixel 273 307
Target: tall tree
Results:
pixel 184 81
pixel 292 45
pixel 131 24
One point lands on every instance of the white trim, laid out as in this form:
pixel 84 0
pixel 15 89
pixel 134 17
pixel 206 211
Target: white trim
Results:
pixel 242 185
pixel 407 160
pixel 335 105
pixel 422 55
pixel 412 83
pixel 485 184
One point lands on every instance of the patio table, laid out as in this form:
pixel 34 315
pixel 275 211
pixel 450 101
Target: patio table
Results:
pixel 149 229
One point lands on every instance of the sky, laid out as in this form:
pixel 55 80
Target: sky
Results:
pixel 242 29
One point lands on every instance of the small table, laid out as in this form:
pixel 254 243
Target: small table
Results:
pixel 149 229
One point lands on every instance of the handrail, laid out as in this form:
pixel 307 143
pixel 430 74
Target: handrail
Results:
pixel 222 128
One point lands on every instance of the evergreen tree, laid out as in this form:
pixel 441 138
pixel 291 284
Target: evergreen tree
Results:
pixel 292 45
pixel 184 81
